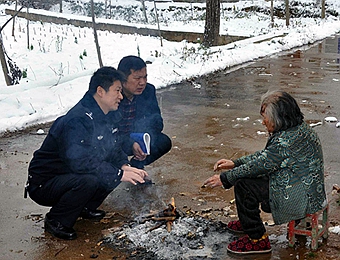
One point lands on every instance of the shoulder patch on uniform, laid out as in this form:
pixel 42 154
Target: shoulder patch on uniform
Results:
pixel 89 115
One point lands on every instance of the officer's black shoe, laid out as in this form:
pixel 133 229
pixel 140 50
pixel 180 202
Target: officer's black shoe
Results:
pixel 95 214
pixel 57 229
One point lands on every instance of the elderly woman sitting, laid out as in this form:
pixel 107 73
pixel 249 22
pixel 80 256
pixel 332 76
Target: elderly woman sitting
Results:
pixel 286 178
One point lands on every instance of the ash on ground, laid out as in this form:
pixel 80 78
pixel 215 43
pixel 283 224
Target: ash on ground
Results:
pixel 189 238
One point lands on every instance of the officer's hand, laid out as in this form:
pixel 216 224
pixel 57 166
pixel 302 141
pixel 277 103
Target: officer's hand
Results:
pixel 133 175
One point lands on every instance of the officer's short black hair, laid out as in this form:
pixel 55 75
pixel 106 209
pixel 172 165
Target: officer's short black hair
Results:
pixel 104 77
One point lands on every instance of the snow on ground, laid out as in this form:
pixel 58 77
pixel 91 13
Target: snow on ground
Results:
pixel 61 58
pixel 335 229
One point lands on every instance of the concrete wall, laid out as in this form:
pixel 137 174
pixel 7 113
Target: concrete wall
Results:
pixel 168 35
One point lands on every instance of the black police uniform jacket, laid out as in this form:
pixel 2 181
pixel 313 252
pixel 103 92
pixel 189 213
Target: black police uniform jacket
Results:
pixel 84 141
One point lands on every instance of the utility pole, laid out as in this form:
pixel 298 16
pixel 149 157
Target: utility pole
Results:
pixel 96 36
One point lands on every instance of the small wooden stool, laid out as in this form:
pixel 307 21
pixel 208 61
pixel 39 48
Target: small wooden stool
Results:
pixel 315 230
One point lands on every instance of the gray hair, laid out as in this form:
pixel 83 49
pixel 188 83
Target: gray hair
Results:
pixel 281 109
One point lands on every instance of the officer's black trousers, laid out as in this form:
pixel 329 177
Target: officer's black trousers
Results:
pixel 68 194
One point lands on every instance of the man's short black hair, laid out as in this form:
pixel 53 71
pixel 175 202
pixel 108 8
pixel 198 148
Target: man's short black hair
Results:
pixel 129 63
pixel 105 77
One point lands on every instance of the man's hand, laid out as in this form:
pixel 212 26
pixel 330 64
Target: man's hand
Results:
pixel 138 152
pixel 224 164
pixel 133 175
pixel 213 181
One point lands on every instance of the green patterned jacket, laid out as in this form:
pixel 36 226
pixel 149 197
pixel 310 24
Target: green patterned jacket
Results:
pixel 293 160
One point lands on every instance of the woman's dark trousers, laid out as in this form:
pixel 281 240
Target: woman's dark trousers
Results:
pixel 249 194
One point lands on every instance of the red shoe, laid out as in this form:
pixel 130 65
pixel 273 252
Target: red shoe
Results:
pixel 235 227
pixel 245 245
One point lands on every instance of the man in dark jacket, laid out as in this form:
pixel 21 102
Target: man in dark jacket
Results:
pixel 81 160
pixel 141 113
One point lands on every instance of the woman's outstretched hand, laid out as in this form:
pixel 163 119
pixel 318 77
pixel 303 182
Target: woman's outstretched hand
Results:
pixel 213 181
pixel 224 164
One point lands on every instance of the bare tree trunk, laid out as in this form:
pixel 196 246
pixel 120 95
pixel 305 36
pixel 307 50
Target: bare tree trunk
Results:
pixel 212 23
pixel 28 30
pixel 105 9
pixel 287 12
pixel 144 11
pixel 61 6
pixel 110 9
pixel 272 13
pixel 159 29
pixel 13 27
pixel 4 63
pixel 95 35
pixel 3 60
pixel 323 9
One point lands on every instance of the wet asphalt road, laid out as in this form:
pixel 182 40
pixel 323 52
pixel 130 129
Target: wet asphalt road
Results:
pixel 217 117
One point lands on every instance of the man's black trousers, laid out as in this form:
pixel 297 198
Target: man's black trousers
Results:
pixel 160 145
